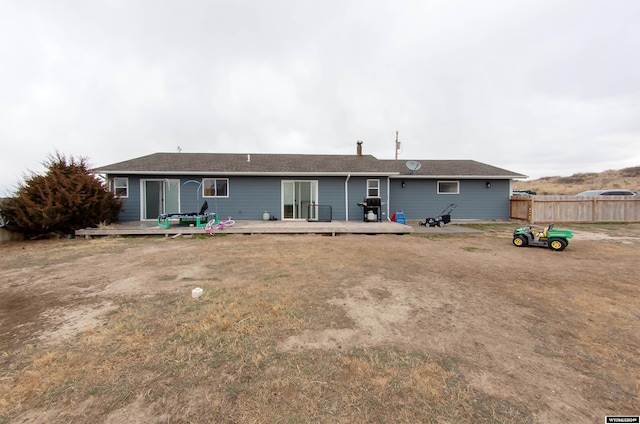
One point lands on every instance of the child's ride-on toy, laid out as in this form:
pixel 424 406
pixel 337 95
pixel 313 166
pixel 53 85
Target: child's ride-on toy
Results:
pixel 549 237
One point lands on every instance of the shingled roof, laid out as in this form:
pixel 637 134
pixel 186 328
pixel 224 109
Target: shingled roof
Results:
pixel 294 164
pixel 231 163
pixel 450 168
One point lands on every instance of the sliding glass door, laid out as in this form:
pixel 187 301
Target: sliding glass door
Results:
pixel 159 197
pixel 296 198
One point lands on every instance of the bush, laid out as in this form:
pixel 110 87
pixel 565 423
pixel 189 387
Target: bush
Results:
pixel 631 172
pixel 69 196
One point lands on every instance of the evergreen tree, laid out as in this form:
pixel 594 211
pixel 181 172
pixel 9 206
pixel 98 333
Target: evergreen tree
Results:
pixel 69 196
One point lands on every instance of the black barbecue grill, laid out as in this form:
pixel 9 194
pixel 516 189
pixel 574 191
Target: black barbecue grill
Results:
pixel 371 208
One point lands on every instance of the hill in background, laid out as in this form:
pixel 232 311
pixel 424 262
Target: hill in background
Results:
pixel 627 178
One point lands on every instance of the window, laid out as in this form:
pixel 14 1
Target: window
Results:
pixel 373 188
pixel 215 187
pixel 448 187
pixel 120 187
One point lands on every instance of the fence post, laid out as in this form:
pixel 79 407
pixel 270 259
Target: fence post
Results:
pixel 531 210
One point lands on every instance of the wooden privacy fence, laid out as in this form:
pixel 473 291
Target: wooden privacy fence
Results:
pixel 575 209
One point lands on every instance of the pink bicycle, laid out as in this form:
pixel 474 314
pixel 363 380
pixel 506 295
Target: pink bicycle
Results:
pixel 220 225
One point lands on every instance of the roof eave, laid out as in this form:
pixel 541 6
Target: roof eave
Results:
pixel 468 177
pixel 257 174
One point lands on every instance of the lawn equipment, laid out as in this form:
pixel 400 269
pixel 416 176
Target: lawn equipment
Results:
pixel 440 220
pixel 549 237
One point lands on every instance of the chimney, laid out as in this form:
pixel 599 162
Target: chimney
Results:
pixel 359 151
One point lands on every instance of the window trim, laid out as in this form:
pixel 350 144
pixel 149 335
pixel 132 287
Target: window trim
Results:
pixel 457 183
pixel 369 186
pixel 115 187
pixel 215 185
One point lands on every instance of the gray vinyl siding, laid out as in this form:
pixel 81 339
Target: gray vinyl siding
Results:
pixel 419 199
pixel 331 193
pixel 191 199
pixel 249 197
pixel 190 196
pixel 131 205
pixel 357 193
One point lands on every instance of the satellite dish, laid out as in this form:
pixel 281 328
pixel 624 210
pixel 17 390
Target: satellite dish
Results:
pixel 413 166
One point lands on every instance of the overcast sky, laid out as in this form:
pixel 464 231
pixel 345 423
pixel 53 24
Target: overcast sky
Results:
pixel 540 87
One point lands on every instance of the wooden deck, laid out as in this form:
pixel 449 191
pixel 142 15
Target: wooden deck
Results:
pixel 253 227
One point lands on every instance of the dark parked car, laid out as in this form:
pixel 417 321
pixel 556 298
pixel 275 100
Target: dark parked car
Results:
pixel 523 193
pixel 608 193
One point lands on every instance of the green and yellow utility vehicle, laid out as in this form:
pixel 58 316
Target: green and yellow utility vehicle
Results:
pixel 549 237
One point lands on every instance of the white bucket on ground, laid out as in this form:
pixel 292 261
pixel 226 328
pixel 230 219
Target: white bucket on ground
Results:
pixel 197 292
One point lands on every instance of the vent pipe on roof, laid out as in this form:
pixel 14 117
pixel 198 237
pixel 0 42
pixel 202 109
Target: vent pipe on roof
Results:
pixel 359 150
pixel 248 158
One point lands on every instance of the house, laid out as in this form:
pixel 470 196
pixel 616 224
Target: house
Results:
pixel 300 187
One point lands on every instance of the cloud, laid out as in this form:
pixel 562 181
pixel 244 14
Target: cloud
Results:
pixel 534 86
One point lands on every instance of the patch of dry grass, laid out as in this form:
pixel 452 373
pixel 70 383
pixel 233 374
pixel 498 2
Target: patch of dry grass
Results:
pixel 215 359
pixel 219 358
pixel 39 253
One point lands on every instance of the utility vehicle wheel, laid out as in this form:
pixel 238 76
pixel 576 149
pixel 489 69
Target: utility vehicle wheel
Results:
pixel 520 241
pixel 440 223
pixel 557 244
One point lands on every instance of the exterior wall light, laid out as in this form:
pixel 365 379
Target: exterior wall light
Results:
pixel 404 184
pixel 488 184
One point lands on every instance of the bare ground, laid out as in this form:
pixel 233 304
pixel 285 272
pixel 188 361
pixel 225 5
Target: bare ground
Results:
pixel 485 330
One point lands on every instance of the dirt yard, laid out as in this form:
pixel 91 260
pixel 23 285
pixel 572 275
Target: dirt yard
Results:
pixel 305 328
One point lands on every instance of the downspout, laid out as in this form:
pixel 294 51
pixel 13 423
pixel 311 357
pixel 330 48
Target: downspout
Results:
pixel 346 197
pixel 388 198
